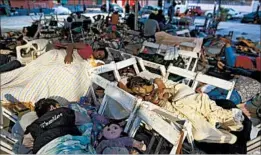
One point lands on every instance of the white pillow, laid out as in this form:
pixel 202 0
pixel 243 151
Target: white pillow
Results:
pixel 27 119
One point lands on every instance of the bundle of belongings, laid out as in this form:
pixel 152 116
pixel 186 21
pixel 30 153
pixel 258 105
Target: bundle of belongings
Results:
pixel 247 46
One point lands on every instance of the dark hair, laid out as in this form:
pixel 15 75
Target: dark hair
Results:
pixel 160 11
pixel 43 105
pixel 137 81
pixel 152 16
pixel 105 52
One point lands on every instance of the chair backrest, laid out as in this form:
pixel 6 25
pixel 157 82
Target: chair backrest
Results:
pixel 157 123
pixel 220 83
pixel 127 63
pixel 76 24
pixel 254 146
pixel 6 139
pixel 143 64
pixel 29 49
pixel 86 24
pixel 180 72
pixel 183 33
pixel 150 45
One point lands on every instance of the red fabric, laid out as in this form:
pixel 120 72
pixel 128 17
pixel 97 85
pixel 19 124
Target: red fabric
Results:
pixel 258 63
pixel 244 62
pixel 86 52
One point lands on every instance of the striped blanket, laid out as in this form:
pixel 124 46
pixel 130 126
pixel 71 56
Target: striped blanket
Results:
pixel 47 76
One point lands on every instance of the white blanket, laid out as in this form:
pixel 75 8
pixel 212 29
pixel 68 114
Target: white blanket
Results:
pixel 47 76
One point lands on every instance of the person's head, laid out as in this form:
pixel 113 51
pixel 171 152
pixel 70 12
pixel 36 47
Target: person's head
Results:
pixel 100 54
pixel 78 14
pixel 160 12
pixel 44 105
pixel 140 86
pixel 152 16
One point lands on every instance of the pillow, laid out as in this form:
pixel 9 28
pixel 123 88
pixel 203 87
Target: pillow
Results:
pixel 181 91
pixel 27 119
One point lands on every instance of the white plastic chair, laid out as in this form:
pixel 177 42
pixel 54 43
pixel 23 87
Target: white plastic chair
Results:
pixel 183 33
pixel 31 50
pixel 6 139
pixel 184 54
pixel 150 45
pixel 143 64
pixel 254 146
pixel 220 83
pixel 190 75
pixel 154 117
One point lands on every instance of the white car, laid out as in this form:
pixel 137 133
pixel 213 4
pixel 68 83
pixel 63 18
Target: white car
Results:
pixel 231 14
pixel 60 10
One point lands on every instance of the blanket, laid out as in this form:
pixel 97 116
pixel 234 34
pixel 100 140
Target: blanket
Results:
pixel 68 145
pixel 214 120
pixel 168 39
pixel 47 76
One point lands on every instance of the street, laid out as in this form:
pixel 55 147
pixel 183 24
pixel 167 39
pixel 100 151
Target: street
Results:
pixel 250 31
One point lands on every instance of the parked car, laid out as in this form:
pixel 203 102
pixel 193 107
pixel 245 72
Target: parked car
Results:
pixel 250 18
pixel 3 9
pixel 113 7
pixel 231 14
pixel 196 10
pixel 148 9
pixel 60 10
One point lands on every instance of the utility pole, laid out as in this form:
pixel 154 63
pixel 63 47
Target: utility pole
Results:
pixel 215 8
pixel 219 5
pixel 136 15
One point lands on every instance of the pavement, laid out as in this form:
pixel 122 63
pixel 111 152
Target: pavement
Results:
pixel 250 31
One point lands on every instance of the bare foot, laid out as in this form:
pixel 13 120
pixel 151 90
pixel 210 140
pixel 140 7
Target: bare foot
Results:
pixel 140 145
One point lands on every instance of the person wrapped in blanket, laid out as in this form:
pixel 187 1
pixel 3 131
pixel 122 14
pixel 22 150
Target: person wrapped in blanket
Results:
pixel 73 130
pixel 247 83
pixel 246 91
pixel 196 107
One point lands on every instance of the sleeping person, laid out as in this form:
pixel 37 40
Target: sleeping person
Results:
pixel 52 122
pixel 184 102
pixel 49 76
pixel 84 50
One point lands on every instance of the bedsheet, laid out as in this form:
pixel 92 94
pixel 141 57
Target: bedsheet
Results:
pixel 199 108
pixel 47 76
